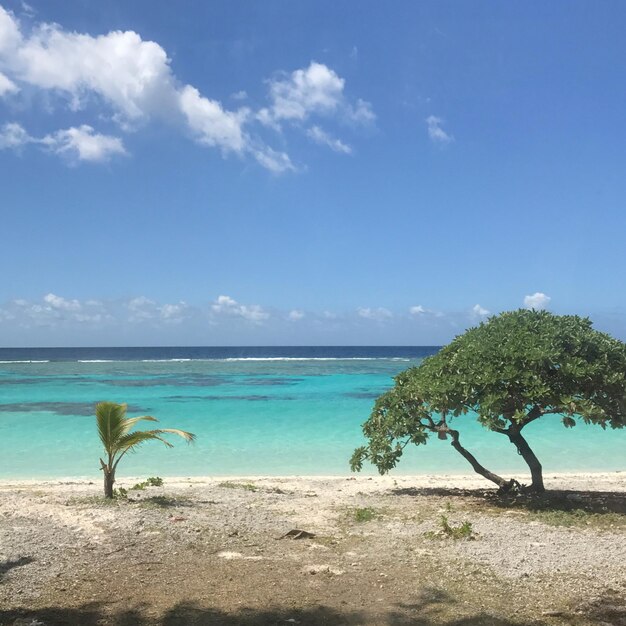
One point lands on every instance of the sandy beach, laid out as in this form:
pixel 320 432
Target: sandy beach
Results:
pixel 375 551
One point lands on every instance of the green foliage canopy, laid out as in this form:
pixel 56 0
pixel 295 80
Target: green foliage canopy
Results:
pixel 510 371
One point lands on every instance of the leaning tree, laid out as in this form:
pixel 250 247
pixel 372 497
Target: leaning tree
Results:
pixel 507 372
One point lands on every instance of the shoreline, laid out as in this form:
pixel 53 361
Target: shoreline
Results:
pixel 591 481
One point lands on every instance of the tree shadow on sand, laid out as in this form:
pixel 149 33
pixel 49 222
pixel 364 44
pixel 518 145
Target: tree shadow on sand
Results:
pixel 433 608
pixel 598 502
pixel 6 566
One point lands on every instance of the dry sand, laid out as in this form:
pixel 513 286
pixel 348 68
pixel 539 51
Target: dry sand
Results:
pixel 208 551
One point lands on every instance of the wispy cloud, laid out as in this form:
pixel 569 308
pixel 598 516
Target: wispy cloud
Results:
pixel 379 314
pixel 76 143
pixel 437 134
pixel 321 137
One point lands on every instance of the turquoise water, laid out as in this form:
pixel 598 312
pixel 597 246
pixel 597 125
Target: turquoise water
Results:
pixel 251 416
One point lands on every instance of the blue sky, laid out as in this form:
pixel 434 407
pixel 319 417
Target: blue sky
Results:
pixel 307 173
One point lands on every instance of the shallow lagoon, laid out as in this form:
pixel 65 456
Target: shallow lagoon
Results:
pixel 257 411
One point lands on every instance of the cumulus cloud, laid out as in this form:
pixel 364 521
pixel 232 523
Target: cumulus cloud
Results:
pixel 316 89
pixel 133 79
pixel 7 85
pixel 225 305
pixel 13 136
pixel 212 125
pixel 379 314
pixel 131 75
pixel 436 132
pixel 320 136
pixel 295 315
pixel 84 144
pixel 141 309
pixel 537 301
pixel 53 310
pixel 479 311
pixel 76 143
pixel 174 313
pixel 58 302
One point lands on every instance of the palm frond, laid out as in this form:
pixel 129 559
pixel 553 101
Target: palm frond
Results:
pixel 131 421
pixel 187 436
pixel 110 418
pixel 133 439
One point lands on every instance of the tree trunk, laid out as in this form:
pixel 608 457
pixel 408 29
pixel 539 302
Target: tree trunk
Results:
pixel 504 484
pixel 528 455
pixel 109 479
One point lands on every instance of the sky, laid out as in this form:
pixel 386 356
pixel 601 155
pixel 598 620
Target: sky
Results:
pixel 307 173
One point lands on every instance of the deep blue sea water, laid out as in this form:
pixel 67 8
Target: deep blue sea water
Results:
pixel 255 410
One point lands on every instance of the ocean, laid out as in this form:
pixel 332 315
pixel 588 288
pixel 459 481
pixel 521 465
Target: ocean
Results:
pixel 255 411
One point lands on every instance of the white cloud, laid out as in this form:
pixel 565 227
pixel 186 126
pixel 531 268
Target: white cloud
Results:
pixel 84 144
pixel 53 310
pixel 57 302
pixel 212 125
pixel 380 314
pixel 174 313
pixel 7 85
pixel 130 74
pixel 81 144
pixel 13 136
pixel 27 9
pixel 142 309
pixel 435 131
pixel 422 311
pixel 537 301
pixel 362 113
pixel 240 95
pixel 133 79
pixel 10 36
pixel 295 315
pixel 321 137
pixel 276 162
pixel 316 89
pixel 479 311
pixel 225 305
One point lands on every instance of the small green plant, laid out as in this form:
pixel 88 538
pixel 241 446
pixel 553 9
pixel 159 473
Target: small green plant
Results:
pixel 116 433
pixel 153 481
pixel 365 514
pixel 462 531
pixel 120 493
pixel 229 484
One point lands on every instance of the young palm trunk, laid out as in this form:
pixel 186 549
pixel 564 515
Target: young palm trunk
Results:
pixel 536 471
pixel 109 479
